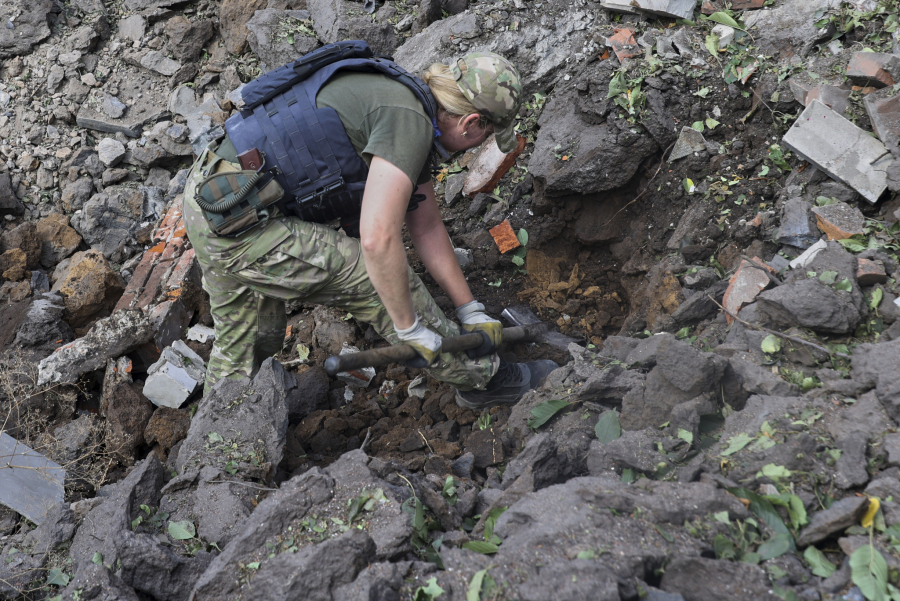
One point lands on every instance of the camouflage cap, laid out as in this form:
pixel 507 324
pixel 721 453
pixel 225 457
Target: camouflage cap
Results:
pixel 492 85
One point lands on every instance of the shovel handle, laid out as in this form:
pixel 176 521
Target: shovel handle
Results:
pixel 403 352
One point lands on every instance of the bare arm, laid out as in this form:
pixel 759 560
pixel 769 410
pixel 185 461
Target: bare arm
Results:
pixel 384 205
pixel 432 242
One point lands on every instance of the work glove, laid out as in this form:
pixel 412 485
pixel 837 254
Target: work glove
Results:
pixel 426 342
pixel 474 319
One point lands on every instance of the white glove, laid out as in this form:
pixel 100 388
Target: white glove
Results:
pixel 474 319
pixel 426 342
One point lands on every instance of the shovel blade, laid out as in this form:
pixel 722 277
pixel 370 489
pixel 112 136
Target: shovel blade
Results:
pixel 522 315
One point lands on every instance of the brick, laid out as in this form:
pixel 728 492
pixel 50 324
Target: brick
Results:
pixel 869 273
pixel 868 69
pixel 710 6
pixel 185 282
pixel 746 283
pixel 505 237
pixel 884 114
pixel 624 44
pixel 840 149
pixel 171 221
pixel 138 279
pixel 489 167
pixel 153 287
pixel 839 220
pixel 805 91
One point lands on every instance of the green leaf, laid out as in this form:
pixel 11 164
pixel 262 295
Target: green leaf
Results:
pixel 215 437
pixel 723 547
pixel 722 516
pixel 776 546
pixel 702 93
pixel 480 546
pixel 724 19
pixel 698 125
pixel 844 285
pixel 182 530
pixel 688 185
pixel 763 509
pixel 541 414
pixel 302 352
pixel 491 521
pixel 797 512
pixel 589 554
pixel 771 344
pixel 474 591
pixel 429 592
pixel 523 237
pixel 57 577
pixel 712 44
pixel 877 295
pixel 869 572
pixel 686 436
pixel 617 85
pixel 607 428
pixel 828 277
pixel 764 171
pixel 736 444
pixel 854 246
pixel 818 563
pixel 253 565
pixel 97 558
pixel 517 260
pixel 711 123
pixel 775 472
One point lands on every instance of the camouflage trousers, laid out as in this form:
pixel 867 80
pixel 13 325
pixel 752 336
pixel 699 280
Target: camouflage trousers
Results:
pixel 249 277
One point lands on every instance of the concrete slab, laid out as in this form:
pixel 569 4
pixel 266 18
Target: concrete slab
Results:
pixel 175 377
pixel 30 484
pixel 884 114
pixel 676 9
pixel 689 142
pixel 840 149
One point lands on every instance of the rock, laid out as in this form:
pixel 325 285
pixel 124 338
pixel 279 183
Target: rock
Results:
pixel 158 571
pixel 689 142
pixel 839 220
pixel 133 28
pixel 270 45
pixel 755 379
pixel 797 228
pixel 9 203
pixel 76 193
pixel 30 483
pixel 110 151
pixel 158 62
pixel 98 531
pixel 333 23
pixel 840 516
pixel 871 368
pixel 89 288
pixel 851 467
pixel 24 237
pixel 453 188
pixel 109 221
pixel 175 377
pixel 187 38
pixel 809 304
pixel 870 273
pixel 167 427
pixel 634 450
pixel 847 153
pixel 126 410
pixel 111 337
pixel 790 28
pixel 487 447
pixel 43 327
pixel 701 579
pixel 489 166
pixel 233 17
pixel 57 529
pixel 98 583
pixel 725 33
pixel 12 265
pixel 58 239
pixel 872 69
pixel 113 107
pixel 30 26
pixel 884 114
pixel 143 107
pixel 745 285
pixel 577 579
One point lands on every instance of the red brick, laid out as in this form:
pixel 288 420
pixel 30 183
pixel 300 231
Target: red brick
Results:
pixel 867 69
pixel 489 167
pixel 137 281
pixel 709 7
pixel 505 237
pixel 624 44
pixel 869 273
pixel 171 221
pixel 746 283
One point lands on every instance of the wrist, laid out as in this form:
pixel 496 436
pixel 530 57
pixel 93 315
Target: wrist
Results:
pixel 467 309
pixel 406 332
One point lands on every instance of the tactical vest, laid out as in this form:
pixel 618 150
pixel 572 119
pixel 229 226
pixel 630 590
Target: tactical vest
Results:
pixel 306 147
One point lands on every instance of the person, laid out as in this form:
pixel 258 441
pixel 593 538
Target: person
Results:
pixel 250 276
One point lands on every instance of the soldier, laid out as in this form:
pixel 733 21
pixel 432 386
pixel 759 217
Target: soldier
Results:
pixel 250 276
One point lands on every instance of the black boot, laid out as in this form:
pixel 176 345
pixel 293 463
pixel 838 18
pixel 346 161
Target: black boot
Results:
pixel 508 385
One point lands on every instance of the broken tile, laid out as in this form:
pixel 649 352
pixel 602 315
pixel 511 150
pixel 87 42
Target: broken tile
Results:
pixel 884 114
pixel 746 283
pixel 810 254
pixel 30 484
pixel 689 142
pixel 361 377
pixel 869 273
pixel 201 333
pixel 505 237
pixel 490 166
pixel 175 377
pixel 620 6
pixel 710 6
pixel 872 69
pixel 676 9
pixel 839 220
pixel 840 149
pixel 805 90
pixel 624 44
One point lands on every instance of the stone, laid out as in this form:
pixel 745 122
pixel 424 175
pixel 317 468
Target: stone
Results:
pixel 809 304
pixel 489 166
pixel 110 151
pixel 872 366
pixel 9 203
pixel 158 62
pixel 675 9
pixel 891 446
pixel 57 529
pixel 805 90
pixel 725 33
pixel 870 272
pixel 133 28
pixel 788 29
pixel 30 26
pixel 76 193
pixel 837 518
pixel 90 287
pixel 270 45
pixel 872 69
pixel 114 336
pixel 175 377
pixel 851 467
pixel 797 227
pixel 187 38
pixel 58 239
pixel 884 114
pixel 453 188
pixel 839 220
pixel 840 149
pixel 44 329
pixel 334 20
pixel 233 17
pixel 98 583
pixel 808 255
pixel 113 107
pixel 157 570
pixel 30 483
pixel 126 410
pixel 701 579
pixel 624 44
pixel 745 285
pixel 143 107
pixel 689 141
pixel 487 447
pixel 109 221
pixel 12 265
pixel 167 427
pixel 24 237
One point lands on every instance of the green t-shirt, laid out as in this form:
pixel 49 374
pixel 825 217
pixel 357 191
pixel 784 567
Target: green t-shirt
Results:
pixel 383 118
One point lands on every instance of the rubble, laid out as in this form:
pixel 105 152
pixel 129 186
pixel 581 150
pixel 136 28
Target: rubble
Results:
pixel 689 141
pixel 805 90
pixel 745 285
pixel 624 44
pixel 839 220
pixel 30 483
pixel 884 114
pixel 490 166
pixel 175 377
pixel 674 9
pixel 842 150
pixel 360 378
pixel 873 69
pixel 505 237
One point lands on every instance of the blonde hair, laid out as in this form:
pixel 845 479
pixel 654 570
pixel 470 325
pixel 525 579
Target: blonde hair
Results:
pixel 448 95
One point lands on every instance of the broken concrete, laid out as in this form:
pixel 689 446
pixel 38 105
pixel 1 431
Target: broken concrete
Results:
pixel 805 90
pixel 30 483
pixel 675 9
pixel 175 377
pixel 839 220
pixel 883 109
pixel 840 149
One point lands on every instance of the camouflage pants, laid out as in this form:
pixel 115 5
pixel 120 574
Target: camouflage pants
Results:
pixel 249 278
